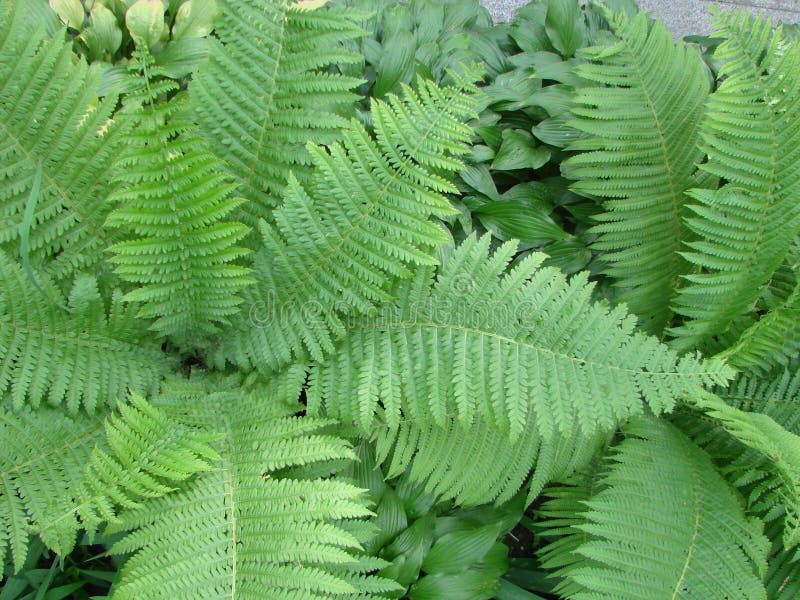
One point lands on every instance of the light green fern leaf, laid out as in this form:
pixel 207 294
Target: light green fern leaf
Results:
pixel 72 352
pixel 337 246
pixel 752 139
pixel 754 440
pixel 172 198
pixel 524 350
pixel 643 121
pixel 149 453
pixel 242 530
pixel 50 117
pixel 263 93
pixel 58 475
pixel 664 525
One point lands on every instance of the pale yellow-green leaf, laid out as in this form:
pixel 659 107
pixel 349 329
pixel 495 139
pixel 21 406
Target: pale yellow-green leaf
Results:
pixel 69 11
pixel 104 30
pixel 145 21
pixel 195 19
pixel 309 4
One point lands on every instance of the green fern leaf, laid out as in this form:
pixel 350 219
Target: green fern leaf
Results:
pixel 149 454
pixel 664 525
pixel 779 446
pixel 754 440
pixel 243 530
pixel 751 136
pixel 42 461
pixel 172 198
pixel 50 116
pixel 521 351
pixel 643 121
pixel 50 475
pixel 78 353
pixel 263 94
pixel 336 247
pixel 478 465
pixel 770 342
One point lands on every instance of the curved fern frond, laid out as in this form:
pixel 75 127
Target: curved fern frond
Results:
pixel 779 447
pixel 756 445
pixel 50 116
pixel 770 342
pixel 336 247
pixel 478 465
pixel 752 139
pixel 172 198
pixel 522 350
pixel 643 119
pixel 149 454
pixel 50 475
pixel 664 525
pixel 242 530
pixel 74 351
pixel 263 93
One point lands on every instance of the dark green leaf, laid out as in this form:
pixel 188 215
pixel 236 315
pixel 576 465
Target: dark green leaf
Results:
pixel 564 25
pixel 519 220
pixel 459 550
pixel 470 585
pixel 519 151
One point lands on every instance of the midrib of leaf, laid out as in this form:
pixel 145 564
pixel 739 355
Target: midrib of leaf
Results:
pixel 78 339
pixel 269 99
pixel 511 341
pixel 674 194
pixel 693 541
pixel 54 451
pixel 231 493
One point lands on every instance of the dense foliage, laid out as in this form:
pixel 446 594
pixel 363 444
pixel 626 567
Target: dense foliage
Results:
pixel 309 299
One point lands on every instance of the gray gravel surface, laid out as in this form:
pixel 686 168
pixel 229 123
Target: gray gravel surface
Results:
pixel 683 17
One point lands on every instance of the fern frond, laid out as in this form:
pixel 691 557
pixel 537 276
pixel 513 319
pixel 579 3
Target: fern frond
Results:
pixel 242 530
pixel 524 350
pixel 478 465
pixel 643 120
pixel 779 447
pixel 752 139
pixel 74 351
pixel 665 525
pixel 172 198
pixel 42 459
pixel 264 93
pixel 50 475
pixel 336 247
pixel 753 439
pixel 50 116
pixel 560 520
pixel 149 454
pixel 770 342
